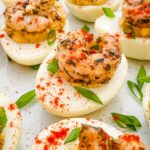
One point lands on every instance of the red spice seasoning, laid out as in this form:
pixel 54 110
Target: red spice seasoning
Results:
pixel 89 37
pixel 116 118
pixel 59 80
pixel 56 101
pixel 37 45
pixel 2 35
pixel 19 3
pixel 131 138
pixel 11 107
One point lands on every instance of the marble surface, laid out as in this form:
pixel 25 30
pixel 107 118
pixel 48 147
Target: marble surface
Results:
pixel 15 80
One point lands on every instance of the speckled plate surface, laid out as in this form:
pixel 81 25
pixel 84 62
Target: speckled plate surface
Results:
pixel 16 80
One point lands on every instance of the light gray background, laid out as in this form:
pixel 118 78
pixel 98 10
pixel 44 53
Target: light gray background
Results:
pixel 15 80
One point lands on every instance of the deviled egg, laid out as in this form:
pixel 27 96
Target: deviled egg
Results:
pixel 81 134
pixel 133 24
pixel 10 124
pixel 31 29
pixel 89 10
pixel 82 74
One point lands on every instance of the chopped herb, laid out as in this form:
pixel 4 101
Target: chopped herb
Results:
pixel 129 30
pixel 144 79
pixel 141 74
pixel 51 37
pixel 3 119
pixel 125 121
pixel 88 94
pixel 108 12
pixel 53 66
pixel 96 47
pixel 86 28
pixel 35 67
pixel 25 99
pixel 73 135
pixel 136 91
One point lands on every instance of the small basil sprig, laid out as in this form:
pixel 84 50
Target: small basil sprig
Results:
pixel 141 74
pixel 35 67
pixel 85 28
pixel 88 94
pixel 51 37
pixel 53 66
pixel 25 99
pixel 125 121
pixel 134 88
pixel 108 12
pixel 3 119
pixel 73 135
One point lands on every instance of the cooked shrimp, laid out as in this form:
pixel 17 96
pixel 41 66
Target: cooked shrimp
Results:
pixel 130 142
pixel 35 17
pixel 94 139
pixel 86 60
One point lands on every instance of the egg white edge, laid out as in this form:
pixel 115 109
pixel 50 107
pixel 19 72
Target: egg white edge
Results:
pixel 146 103
pixel 133 48
pixel 12 135
pixel 27 54
pixel 113 87
pixel 92 12
pixel 72 123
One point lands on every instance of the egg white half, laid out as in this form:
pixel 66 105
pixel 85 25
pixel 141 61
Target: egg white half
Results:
pixel 8 2
pixel 13 129
pixel 61 99
pixel 138 48
pixel 146 103
pixel 92 12
pixel 71 124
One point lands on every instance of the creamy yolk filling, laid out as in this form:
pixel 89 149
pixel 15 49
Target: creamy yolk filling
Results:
pixel 88 2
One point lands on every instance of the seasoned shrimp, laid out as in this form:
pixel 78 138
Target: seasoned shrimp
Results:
pixel 86 60
pixel 130 142
pixel 27 18
pixel 94 139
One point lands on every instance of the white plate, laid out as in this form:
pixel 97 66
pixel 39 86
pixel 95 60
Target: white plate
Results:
pixel 16 80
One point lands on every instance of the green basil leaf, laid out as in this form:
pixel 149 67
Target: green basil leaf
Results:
pixel 135 89
pixel 51 37
pixel 125 121
pixel 25 99
pixel 145 79
pixel 73 135
pixel 88 94
pixel 3 119
pixel 35 67
pixel 53 66
pixel 108 12
pixel 86 28
pixel 141 73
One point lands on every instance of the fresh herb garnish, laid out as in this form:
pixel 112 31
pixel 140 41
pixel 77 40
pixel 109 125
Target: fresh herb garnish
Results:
pixel 108 12
pixel 35 67
pixel 25 99
pixel 135 89
pixel 144 79
pixel 141 74
pixel 3 119
pixel 125 121
pixel 73 135
pixel 51 37
pixel 53 66
pixel 88 94
pixel 96 47
pixel 129 30
pixel 86 28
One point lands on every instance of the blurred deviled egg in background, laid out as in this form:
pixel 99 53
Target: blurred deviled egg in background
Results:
pixel 90 10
